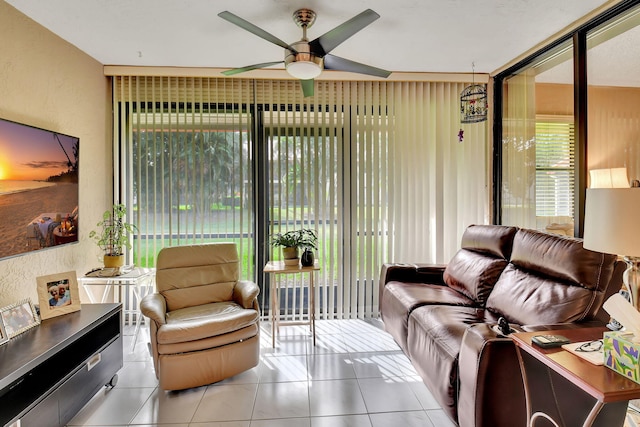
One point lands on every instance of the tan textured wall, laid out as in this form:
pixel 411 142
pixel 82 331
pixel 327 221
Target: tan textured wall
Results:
pixel 614 129
pixel 46 82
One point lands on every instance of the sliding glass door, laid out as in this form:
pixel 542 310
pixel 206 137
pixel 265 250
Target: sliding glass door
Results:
pixel 613 92
pixel 565 113
pixel 325 172
pixel 538 147
pixel 375 168
pixel 189 171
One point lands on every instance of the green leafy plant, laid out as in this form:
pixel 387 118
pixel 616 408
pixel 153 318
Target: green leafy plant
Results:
pixel 304 238
pixel 114 232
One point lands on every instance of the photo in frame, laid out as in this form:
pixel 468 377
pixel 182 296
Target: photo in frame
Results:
pixel 3 333
pixel 58 294
pixel 19 317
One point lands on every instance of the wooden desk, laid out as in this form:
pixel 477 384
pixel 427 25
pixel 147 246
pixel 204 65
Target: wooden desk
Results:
pixel 566 390
pixel 278 267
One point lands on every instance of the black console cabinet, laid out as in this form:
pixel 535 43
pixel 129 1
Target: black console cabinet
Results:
pixel 50 372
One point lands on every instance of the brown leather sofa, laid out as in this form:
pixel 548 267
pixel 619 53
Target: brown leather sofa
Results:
pixel 203 320
pixel 445 317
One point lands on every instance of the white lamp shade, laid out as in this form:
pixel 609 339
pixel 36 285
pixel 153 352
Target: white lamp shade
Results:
pixel 609 178
pixel 612 221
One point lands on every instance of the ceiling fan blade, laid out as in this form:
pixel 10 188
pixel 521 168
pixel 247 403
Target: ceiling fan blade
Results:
pixel 250 67
pixel 329 40
pixel 246 25
pixel 307 87
pixel 332 62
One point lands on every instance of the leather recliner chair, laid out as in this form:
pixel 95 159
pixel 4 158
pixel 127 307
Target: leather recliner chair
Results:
pixel 204 321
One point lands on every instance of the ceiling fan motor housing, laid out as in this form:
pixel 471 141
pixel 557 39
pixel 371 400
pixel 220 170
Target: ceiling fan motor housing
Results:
pixel 301 62
pixel 303 54
pixel 304 18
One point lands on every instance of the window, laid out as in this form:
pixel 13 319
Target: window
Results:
pixel 191 179
pixel 590 69
pixel 554 169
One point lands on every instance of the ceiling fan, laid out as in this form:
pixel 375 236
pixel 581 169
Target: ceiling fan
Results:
pixel 306 59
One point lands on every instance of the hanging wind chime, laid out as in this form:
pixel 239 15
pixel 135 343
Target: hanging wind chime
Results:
pixel 473 104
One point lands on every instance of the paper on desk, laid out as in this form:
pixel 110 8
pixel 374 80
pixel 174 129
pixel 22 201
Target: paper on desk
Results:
pixel 595 357
pixel 625 313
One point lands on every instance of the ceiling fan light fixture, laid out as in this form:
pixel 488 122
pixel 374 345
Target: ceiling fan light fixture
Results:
pixel 304 70
pixel 302 64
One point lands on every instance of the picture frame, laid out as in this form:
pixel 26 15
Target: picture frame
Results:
pixel 18 318
pixel 3 333
pixel 58 294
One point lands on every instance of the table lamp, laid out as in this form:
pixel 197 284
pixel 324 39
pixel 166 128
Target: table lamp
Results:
pixel 612 225
pixel 609 178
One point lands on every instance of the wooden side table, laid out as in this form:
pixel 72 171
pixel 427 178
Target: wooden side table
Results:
pixel 278 267
pixel 565 390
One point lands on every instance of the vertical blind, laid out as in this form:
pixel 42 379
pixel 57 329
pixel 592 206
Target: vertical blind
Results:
pixel 519 151
pixel 438 183
pixel 185 165
pixel 375 168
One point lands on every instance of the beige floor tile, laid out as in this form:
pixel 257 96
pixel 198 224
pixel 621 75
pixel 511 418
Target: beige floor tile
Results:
pixel 281 400
pixel 170 406
pixel 388 395
pixel 330 366
pixel 341 421
pixel 336 397
pixel 233 402
pixel 404 419
pixel 116 406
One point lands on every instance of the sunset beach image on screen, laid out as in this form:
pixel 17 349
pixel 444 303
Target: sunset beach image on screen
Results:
pixel 38 188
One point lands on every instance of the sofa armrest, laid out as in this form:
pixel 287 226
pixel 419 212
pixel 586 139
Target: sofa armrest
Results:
pixel 154 307
pixel 416 273
pixel 245 292
pixel 413 273
pixel 491 392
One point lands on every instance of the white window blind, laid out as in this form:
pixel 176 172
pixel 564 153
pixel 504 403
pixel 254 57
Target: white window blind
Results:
pixel 184 165
pixel 554 146
pixel 374 167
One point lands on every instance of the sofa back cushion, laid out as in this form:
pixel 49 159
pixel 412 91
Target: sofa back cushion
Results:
pixel 475 268
pixel 551 279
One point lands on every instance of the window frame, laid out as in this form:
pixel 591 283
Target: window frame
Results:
pixel 578 37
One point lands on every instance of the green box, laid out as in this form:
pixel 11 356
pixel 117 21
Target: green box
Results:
pixel 621 354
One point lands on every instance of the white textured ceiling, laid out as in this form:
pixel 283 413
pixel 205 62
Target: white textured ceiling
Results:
pixel 411 35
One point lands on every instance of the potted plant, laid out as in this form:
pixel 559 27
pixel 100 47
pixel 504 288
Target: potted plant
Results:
pixel 291 241
pixel 113 236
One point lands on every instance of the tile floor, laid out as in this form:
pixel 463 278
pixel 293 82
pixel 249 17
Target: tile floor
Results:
pixel 355 376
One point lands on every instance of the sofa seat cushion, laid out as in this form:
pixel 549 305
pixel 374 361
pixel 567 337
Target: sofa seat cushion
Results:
pixel 402 298
pixel 210 343
pixel 434 339
pixel 205 321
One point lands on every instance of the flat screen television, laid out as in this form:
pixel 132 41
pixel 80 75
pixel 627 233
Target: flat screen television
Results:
pixel 38 188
